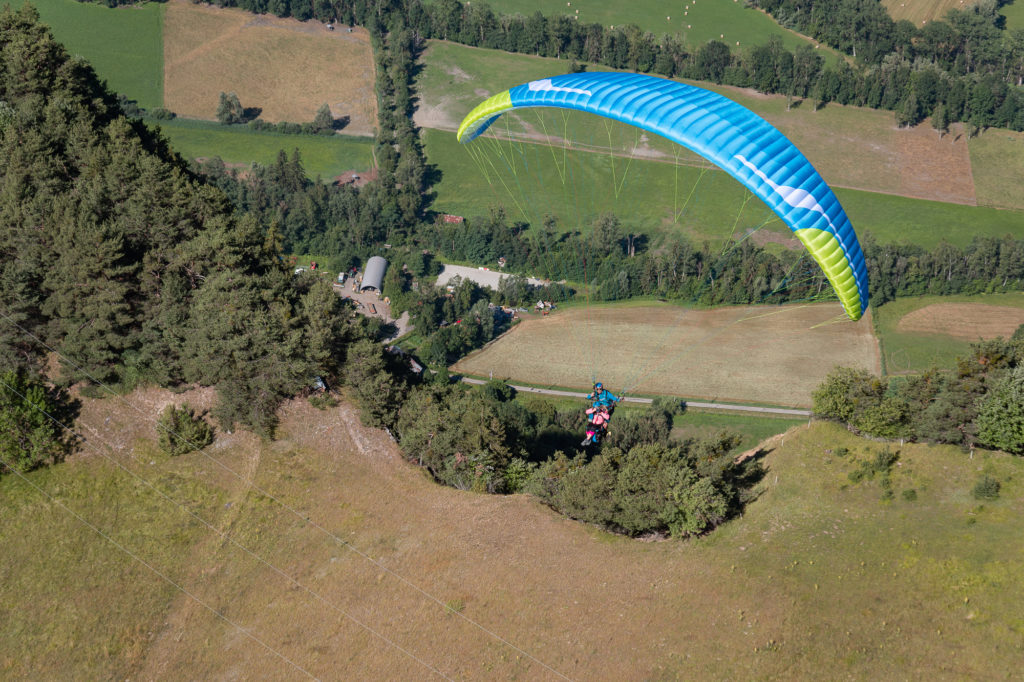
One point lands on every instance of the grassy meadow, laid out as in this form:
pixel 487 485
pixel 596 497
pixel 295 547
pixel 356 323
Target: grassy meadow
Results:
pixel 648 193
pixel 751 429
pixel 72 604
pixel 867 577
pixel 936 337
pixel 997 159
pixel 321 155
pixel 694 22
pixel 850 146
pixel 124 46
pixel 1014 13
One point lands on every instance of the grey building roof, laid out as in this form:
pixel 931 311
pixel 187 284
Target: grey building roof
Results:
pixel 373 273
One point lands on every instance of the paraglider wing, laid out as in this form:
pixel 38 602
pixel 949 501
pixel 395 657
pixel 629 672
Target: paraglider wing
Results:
pixel 722 131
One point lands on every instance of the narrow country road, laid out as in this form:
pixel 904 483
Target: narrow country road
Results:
pixel 630 399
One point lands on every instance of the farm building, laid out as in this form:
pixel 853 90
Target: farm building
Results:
pixel 373 274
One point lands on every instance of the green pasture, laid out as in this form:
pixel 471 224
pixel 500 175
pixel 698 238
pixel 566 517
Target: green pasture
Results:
pixel 893 218
pixel 124 45
pixel 751 429
pixel 911 353
pixel 72 604
pixel 321 155
pixel 876 581
pixel 456 78
pixel 695 22
pixel 997 163
pixel 1014 13
pixel 533 180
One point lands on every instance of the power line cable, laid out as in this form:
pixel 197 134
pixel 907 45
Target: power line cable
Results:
pixel 162 575
pixel 292 510
pixel 223 534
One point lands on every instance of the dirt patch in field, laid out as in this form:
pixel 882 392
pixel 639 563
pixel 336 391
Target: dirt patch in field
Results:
pixel 757 354
pixel 285 67
pixel 967 321
pixel 356 178
pixel 764 237
pixel 937 168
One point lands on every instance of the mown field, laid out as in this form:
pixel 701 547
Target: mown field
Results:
pixel 285 67
pixel 852 147
pixel 920 11
pixel 918 333
pixel 646 193
pixel 694 22
pixel 770 355
pixel 1014 13
pixel 124 46
pixel 327 157
pixel 997 159
pixel 819 573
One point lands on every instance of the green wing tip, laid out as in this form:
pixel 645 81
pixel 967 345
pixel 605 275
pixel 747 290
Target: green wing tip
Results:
pixel 489 108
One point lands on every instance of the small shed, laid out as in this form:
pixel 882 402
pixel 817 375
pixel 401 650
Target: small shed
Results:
pixel 373 274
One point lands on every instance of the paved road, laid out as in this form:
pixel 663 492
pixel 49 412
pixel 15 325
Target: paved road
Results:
pixel 630 399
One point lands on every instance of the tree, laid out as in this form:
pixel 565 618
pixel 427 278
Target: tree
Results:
pixel 29 434
pixel 379 392
pixel 847 392
pixel 229 110
pixel 181 430
pixel 940 119
pixel 1001 414
pixel 711 61
pixel 323 121
pixel 604 236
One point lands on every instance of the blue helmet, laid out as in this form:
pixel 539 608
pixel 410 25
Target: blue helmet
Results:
pixel 598 385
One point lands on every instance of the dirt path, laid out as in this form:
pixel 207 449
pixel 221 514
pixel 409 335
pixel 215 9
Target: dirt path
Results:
pixel 648 401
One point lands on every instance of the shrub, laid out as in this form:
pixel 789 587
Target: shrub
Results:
pixel 322 401
pixel 29 437
pixel 1001 414
pixel 180 430
pixel 909 494
pixel 987 488
pixel 517 473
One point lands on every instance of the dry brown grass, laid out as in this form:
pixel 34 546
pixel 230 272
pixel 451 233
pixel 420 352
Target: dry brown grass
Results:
pixel 920 11
pixel 287 67
pixel 759 354
pixel 864 149
pixel 742 604
pixel 967 321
